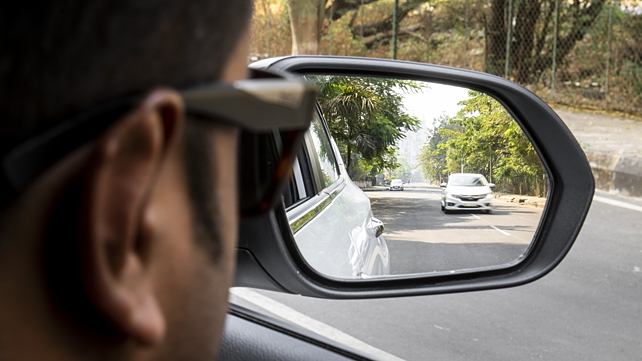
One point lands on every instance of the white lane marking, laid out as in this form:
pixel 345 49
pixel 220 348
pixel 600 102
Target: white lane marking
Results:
pixel 310 323
pixel 499 230
pixel 636 269
pixel 620 204
pixel 491 226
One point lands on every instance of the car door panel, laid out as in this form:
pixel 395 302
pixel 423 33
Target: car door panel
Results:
pixel 249 335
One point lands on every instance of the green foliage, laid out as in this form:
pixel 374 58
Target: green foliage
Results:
pixel 366 117
pixel 483 138
pixel 403 171
pixel 433 158
pixel 633 72
pixel 631 68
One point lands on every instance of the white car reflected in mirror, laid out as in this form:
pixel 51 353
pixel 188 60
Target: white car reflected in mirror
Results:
pixel 466 192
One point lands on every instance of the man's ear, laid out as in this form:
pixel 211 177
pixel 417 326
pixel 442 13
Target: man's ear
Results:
pixel 120 176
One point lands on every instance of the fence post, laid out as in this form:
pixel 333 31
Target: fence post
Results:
pixel 360 14
pixel 608 53
pixel 555 19
pixel 509 36
pixel 395 29
pixel 466 34
pixel 330 37
pixel 269 26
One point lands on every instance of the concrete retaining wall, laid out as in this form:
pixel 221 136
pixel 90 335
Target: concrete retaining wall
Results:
pixel 616 173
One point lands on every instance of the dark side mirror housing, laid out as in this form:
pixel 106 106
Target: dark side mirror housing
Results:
pixel 270 258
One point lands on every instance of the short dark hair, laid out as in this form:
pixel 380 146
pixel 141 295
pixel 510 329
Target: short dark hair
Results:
pixel 60 56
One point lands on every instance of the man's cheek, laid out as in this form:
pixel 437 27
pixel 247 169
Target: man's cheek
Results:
pixel 169 218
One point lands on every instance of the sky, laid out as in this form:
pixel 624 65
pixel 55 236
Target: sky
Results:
pixel 434 100
pixel 427 105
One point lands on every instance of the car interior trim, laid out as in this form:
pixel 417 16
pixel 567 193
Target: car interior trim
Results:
pixel 302 342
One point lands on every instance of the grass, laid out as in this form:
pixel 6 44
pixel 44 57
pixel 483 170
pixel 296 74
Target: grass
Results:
pixel 596 110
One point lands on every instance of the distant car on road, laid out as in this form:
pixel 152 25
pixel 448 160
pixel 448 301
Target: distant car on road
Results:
pixel 396 185
pixel 466 191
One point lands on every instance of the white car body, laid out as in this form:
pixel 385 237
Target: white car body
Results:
pixel 335 230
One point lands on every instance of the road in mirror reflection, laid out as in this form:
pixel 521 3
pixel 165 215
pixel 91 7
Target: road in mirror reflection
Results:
pixel 421 238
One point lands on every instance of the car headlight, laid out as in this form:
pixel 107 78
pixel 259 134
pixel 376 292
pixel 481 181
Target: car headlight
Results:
pixel 453 195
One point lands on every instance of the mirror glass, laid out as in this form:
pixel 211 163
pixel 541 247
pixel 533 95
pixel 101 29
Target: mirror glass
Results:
pixel 435 179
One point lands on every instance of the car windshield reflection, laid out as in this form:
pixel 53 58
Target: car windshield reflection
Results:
pixel 467 180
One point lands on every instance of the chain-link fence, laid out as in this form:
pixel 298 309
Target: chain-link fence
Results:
pixel 586 52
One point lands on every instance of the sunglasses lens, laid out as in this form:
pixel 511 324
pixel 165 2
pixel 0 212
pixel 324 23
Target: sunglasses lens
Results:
pixel 266 156
pixel 265 165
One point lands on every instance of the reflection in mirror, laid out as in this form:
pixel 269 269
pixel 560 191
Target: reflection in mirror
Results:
pixel 449 172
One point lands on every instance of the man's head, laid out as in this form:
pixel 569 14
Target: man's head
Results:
pixel 62 56
pixel 125 246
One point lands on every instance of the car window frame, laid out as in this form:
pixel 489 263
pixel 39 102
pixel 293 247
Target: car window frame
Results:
pixel 306 209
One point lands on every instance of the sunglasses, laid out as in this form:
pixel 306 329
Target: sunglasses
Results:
pixel 273 113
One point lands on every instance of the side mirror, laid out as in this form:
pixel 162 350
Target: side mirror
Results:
pixel 272 256
pixel 443 185
pixel 492 185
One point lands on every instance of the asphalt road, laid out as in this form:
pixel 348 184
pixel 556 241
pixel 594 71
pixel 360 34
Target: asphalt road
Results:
pixel 588 308
pixel 421 238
